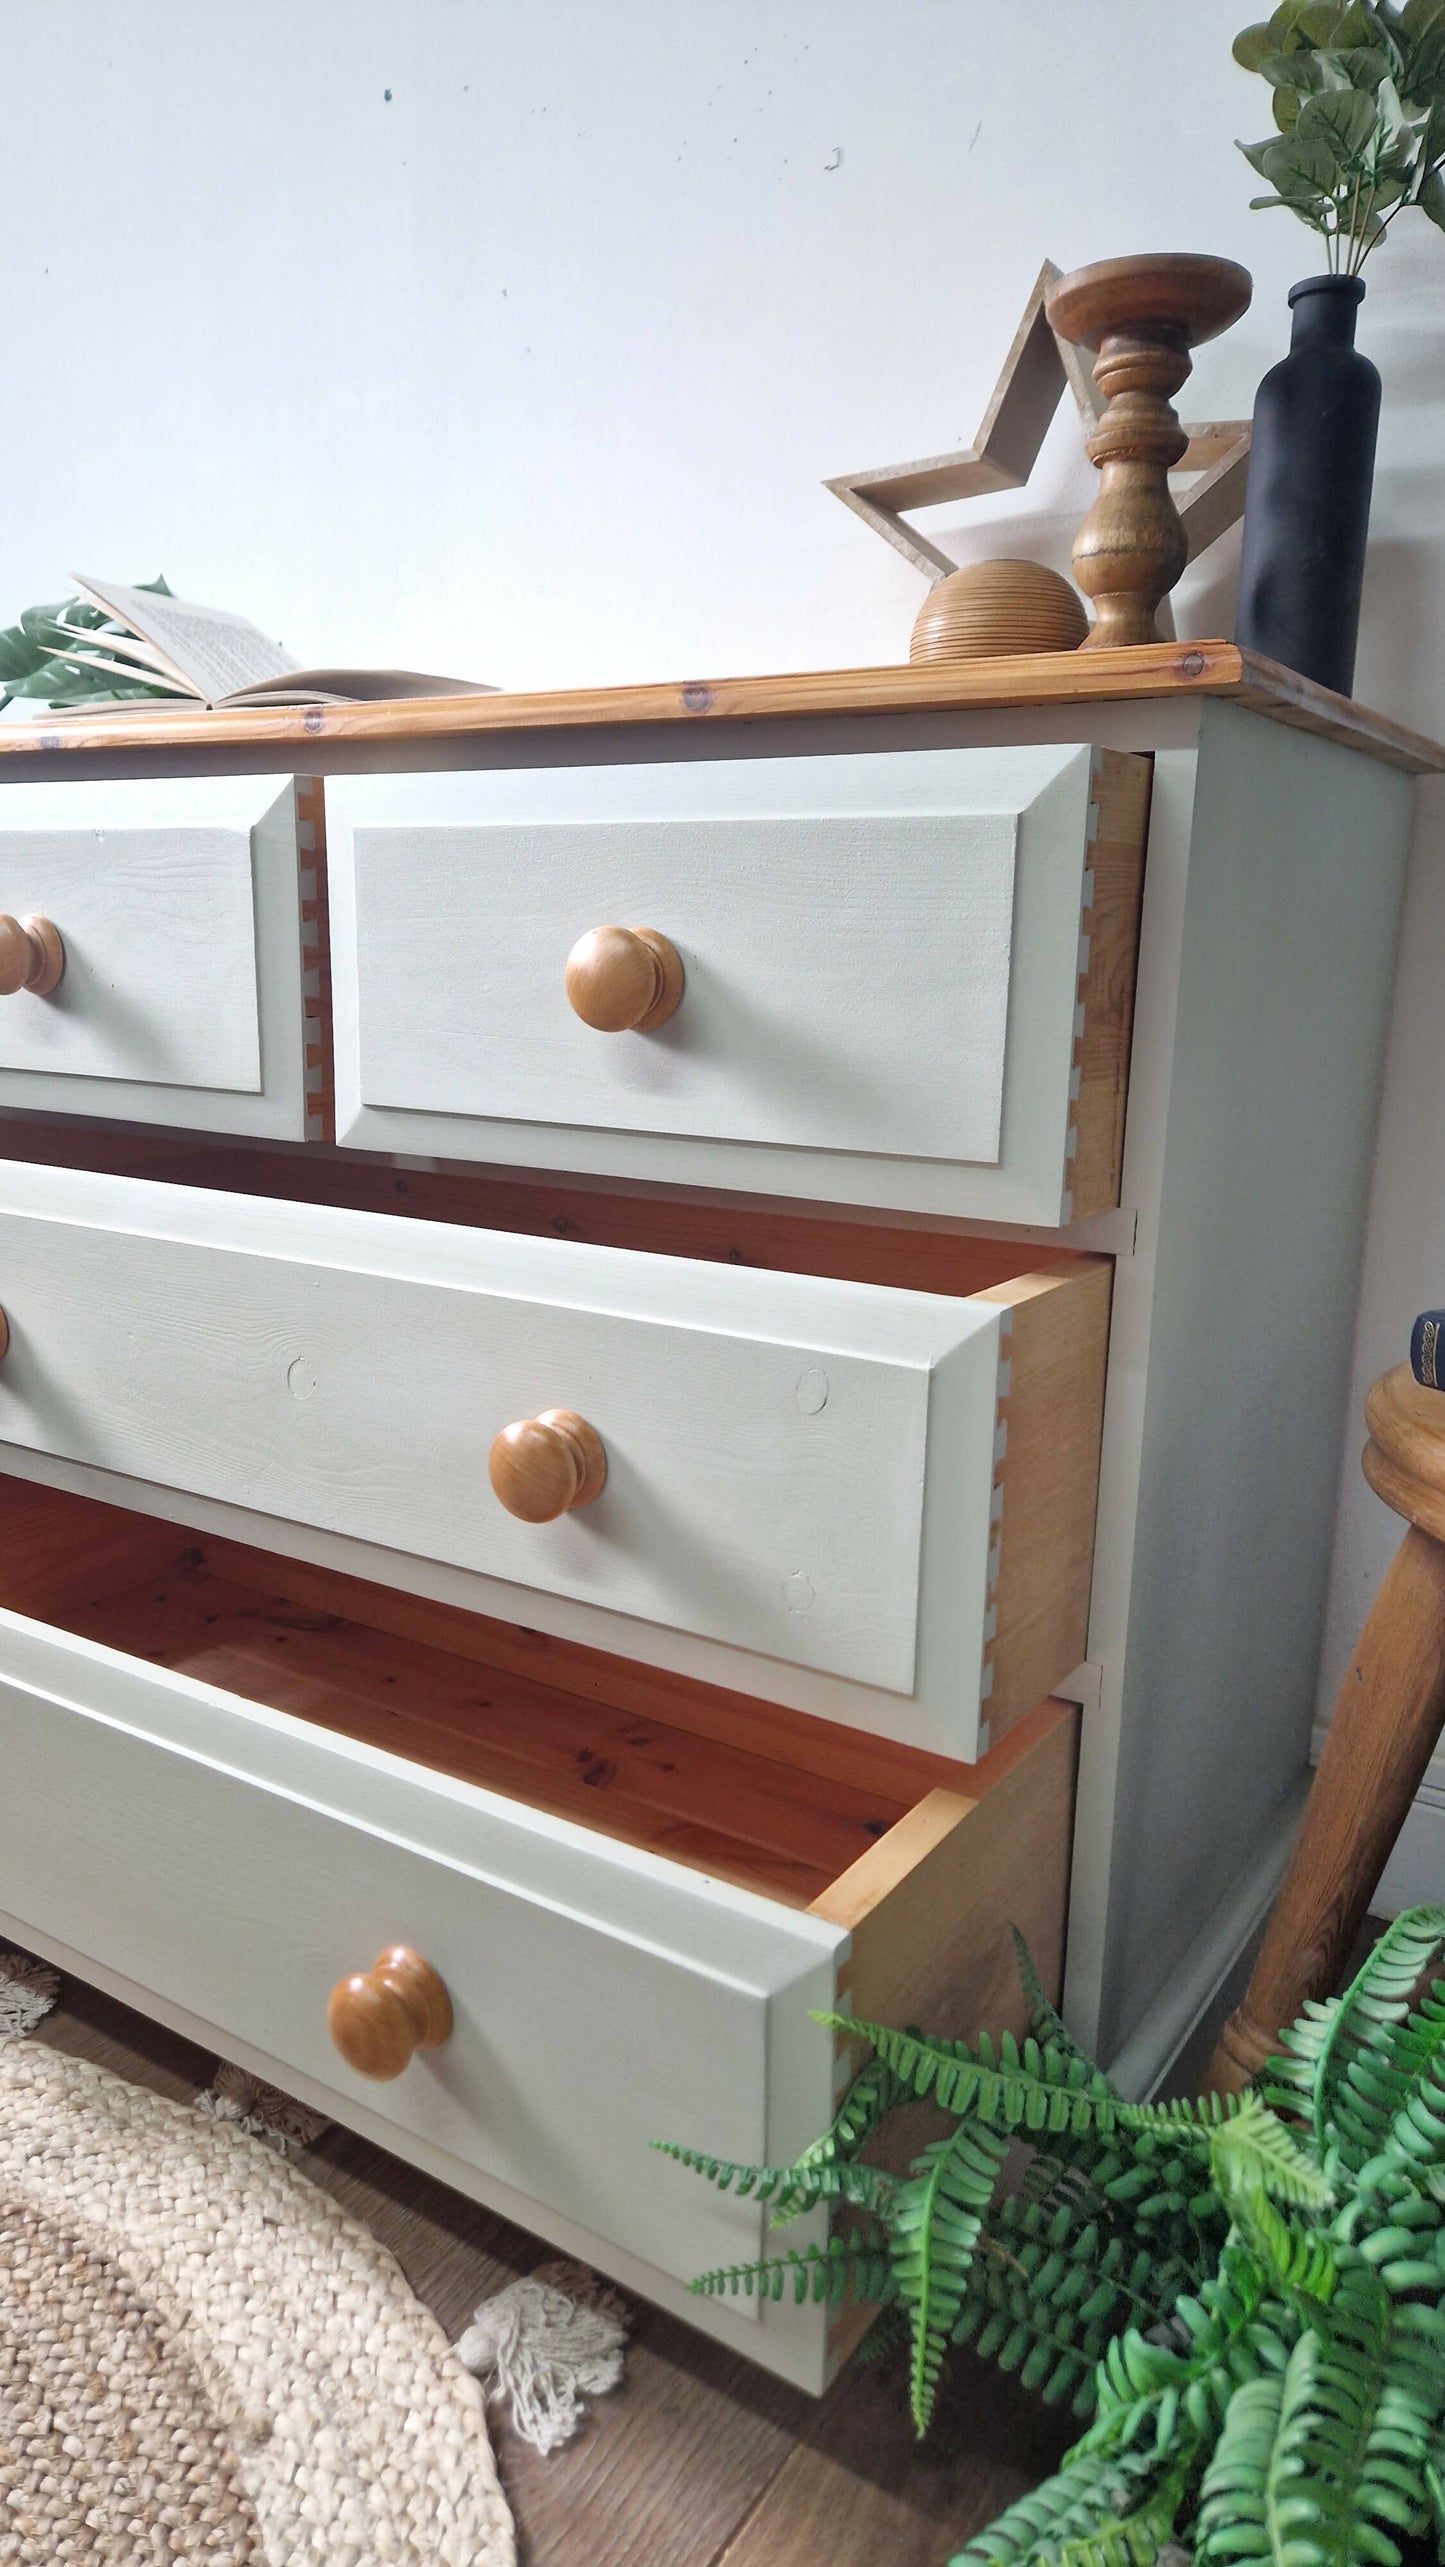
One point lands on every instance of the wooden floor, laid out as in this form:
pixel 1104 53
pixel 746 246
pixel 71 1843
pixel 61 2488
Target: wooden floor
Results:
pixel 699 2458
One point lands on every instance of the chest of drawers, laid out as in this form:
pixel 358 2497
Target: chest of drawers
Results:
pixel 652 1344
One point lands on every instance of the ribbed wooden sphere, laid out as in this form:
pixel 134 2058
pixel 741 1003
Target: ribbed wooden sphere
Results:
pixel 990 610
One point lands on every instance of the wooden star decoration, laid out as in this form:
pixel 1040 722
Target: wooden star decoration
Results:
pixel 1036 372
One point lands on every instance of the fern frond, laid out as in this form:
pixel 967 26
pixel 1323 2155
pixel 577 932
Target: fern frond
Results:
pixel 1045 2020
pixel 1045 2294
pixel 1085 2499
pixel 1254 2151
pixel 1133 2539
pixel 1030 2086
pixel 873 2094
pixel 789 2189
pixel 854 2266
pixel 937 2218
pixel 1233 2521
pixel 1359 2403
pixel 1352 2111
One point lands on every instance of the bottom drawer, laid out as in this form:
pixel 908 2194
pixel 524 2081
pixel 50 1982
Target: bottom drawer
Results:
pixel 234 1780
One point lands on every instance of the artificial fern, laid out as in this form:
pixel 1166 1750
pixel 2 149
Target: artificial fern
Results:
pixel 1243 2299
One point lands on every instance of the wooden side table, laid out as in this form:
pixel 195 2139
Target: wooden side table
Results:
pixel 1387 1722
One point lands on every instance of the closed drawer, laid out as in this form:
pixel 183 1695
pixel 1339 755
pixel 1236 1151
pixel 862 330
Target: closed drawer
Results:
pixel 227 1862
pixel 872 1504
pixel 905 980
pixel 187 914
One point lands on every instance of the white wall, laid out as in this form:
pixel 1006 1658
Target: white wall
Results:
pixel 516 337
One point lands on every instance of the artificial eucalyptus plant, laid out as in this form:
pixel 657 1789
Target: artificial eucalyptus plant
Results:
pixel 1244 2299
pixel 1359 101
pixel 31 671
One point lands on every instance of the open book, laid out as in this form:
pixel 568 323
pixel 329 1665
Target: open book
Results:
pixel 213 659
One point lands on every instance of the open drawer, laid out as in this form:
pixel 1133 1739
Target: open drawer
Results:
pixel 872 1504
pixel 231 1781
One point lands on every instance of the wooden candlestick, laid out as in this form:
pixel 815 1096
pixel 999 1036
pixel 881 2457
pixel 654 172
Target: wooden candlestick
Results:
pixel 1141 316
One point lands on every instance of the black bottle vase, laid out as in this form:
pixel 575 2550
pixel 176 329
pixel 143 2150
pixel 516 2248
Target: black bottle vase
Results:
pixel 1307 509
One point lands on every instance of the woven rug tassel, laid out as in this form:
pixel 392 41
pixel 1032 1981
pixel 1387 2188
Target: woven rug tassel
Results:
pixel 28 1990
pixel 544 2346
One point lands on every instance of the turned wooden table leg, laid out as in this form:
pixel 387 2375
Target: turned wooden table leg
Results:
pixel 1387 1721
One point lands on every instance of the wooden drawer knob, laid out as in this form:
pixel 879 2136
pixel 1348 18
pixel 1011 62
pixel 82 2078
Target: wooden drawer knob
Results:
pixel 543 1466
pixel 624 980
pixel 31 956
pixel 379 2018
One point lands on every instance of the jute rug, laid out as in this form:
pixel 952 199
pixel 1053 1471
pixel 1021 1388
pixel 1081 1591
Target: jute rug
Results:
pixel 203 2358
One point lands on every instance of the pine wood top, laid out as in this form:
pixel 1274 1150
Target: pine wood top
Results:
pixel 304 735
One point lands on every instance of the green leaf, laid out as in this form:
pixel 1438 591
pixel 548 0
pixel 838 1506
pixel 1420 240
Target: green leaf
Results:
pixel 1255 2150
pixel 937 2220
pixel 1345 122
pixel 1431 199
pixel 1251 45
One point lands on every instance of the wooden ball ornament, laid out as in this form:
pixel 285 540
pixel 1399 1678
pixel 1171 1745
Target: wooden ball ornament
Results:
pixel 992 610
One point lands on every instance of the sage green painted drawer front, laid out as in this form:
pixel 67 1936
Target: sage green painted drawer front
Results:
pixel 233 1863
pixel 185 990
pixel 881 960
pixel 801 1472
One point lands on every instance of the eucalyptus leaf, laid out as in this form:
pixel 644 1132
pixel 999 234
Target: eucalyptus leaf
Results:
pixel 1286 104
pixel 1431 199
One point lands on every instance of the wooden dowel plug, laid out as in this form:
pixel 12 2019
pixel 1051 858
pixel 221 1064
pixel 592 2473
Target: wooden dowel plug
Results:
pixel 545 1466
pixel 383 2016
pixel 31 956
pixel 624 980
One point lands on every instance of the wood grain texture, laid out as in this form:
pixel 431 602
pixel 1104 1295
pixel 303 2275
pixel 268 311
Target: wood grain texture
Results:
pixel 1046 1481
pixel 623 980
pixel 1386 1725
pixel 319 1076
pixel 720 1805
pixel 995 607
pixel 1122 789
pixel 716 1228
pixel 379 2018
pixel 313 738
pixel 32 956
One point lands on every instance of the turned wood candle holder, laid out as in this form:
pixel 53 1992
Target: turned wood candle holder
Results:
pixel 1141 316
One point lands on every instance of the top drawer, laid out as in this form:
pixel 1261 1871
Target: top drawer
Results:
pixel 190 964
pixel 906 980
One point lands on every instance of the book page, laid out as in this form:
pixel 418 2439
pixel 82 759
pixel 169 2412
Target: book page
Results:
pixel 210 653
pixel 356 686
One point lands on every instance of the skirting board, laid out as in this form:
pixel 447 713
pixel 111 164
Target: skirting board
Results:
pixel 1415 1873
pixel 1143 2064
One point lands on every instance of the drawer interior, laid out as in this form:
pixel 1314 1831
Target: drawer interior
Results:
pixel 770 1800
